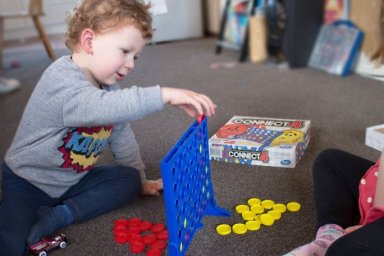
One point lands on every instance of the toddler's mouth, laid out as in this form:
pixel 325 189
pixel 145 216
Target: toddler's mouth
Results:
pixel 119 76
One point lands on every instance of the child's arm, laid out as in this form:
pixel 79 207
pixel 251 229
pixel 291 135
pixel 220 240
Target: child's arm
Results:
pixel 126 152
pixel 190 101
pixel 379 196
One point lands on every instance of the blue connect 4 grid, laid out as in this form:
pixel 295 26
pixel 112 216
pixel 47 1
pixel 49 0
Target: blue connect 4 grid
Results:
pixel 188 189
pixel 259 135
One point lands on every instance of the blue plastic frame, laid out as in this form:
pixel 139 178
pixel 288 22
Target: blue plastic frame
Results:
pixel 188 190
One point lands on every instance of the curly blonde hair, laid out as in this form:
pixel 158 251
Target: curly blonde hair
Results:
pixel 107 15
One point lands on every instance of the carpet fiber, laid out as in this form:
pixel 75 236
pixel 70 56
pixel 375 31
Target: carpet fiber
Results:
pixel 339 108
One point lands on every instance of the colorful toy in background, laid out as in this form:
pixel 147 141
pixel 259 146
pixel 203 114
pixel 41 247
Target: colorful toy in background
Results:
pixel 238 22
pixel 333 10
pixel 256 213
pixel 141 235
pixel 260 141
pixel 188 189
pixel 337 44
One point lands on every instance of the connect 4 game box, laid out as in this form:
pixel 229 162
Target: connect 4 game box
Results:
pixel 374 137
pixel 260 141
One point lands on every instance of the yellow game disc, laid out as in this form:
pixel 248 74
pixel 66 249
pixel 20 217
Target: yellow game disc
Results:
pixel 267 219
pixel 223 229
pixel 239 228
pixel 267 204
pixel 257 209
pixel 254 201
pixel 293 206
pixel 252 225
pixel 275 214
pixel 279 207
pixel 242 208
pixel 248 215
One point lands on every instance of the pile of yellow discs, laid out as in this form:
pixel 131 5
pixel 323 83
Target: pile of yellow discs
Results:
pixel 255 213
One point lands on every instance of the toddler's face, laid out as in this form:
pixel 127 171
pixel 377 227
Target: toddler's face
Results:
pixel 114 53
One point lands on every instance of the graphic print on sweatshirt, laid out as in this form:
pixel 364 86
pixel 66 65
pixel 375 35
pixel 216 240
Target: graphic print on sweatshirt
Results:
pixel 83 146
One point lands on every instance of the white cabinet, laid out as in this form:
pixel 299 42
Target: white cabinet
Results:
pixel 183 20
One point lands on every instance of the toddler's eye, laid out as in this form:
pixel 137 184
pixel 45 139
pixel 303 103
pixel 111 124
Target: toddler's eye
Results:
pixel 125 51
pixel 136 57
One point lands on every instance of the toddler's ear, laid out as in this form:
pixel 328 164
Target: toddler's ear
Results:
pixel 87 37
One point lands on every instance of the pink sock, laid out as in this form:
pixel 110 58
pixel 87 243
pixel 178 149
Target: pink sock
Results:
pixel 325 236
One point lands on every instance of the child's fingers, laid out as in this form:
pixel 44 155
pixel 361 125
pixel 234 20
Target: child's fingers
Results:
pixel 189 101
pixel 207 104
pixel 197 105
pixel 159 184
pixel 203 104
pixel 154 192
pixel 190 110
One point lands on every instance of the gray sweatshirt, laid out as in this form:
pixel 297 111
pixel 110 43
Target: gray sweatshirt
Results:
pixel 68 122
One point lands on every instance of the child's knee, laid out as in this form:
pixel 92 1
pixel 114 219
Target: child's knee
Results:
pixel 325 157
pixel 129 178
pixel 131 174
pixel 327 154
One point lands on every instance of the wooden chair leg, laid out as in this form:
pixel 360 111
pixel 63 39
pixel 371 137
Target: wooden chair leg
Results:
pixel 44 37
pixel 1 41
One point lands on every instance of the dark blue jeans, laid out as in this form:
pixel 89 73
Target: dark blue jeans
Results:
pixel 336 178
pixel 103 189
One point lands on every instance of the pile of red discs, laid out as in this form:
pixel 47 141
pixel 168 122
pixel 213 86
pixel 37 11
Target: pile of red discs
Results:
pixel 140 234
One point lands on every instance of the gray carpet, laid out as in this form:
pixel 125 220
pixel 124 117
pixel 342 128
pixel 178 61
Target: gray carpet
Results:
pixel 340 109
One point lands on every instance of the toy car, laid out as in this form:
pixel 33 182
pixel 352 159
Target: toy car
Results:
pixel 48 244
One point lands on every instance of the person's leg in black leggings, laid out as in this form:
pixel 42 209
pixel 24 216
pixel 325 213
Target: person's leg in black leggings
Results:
pixel 337 175
pixel 365 241
pixel 336 178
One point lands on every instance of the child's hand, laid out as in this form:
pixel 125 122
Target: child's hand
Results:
pixel 152 187
pixel 351 229
pixel 190 101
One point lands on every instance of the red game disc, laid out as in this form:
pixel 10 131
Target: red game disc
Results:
pixel 134 229
pixel 145 225
pixel 134 237
pixel 137 247
pixel 149 239
pixel 134 222
pixel 154 252
pixel 163 235
pixel 121 222
pixel 158 244
pixel 120 229
pixel 158 227
pixel 120 240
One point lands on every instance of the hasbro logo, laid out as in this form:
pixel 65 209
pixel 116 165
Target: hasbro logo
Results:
pixel 285 162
